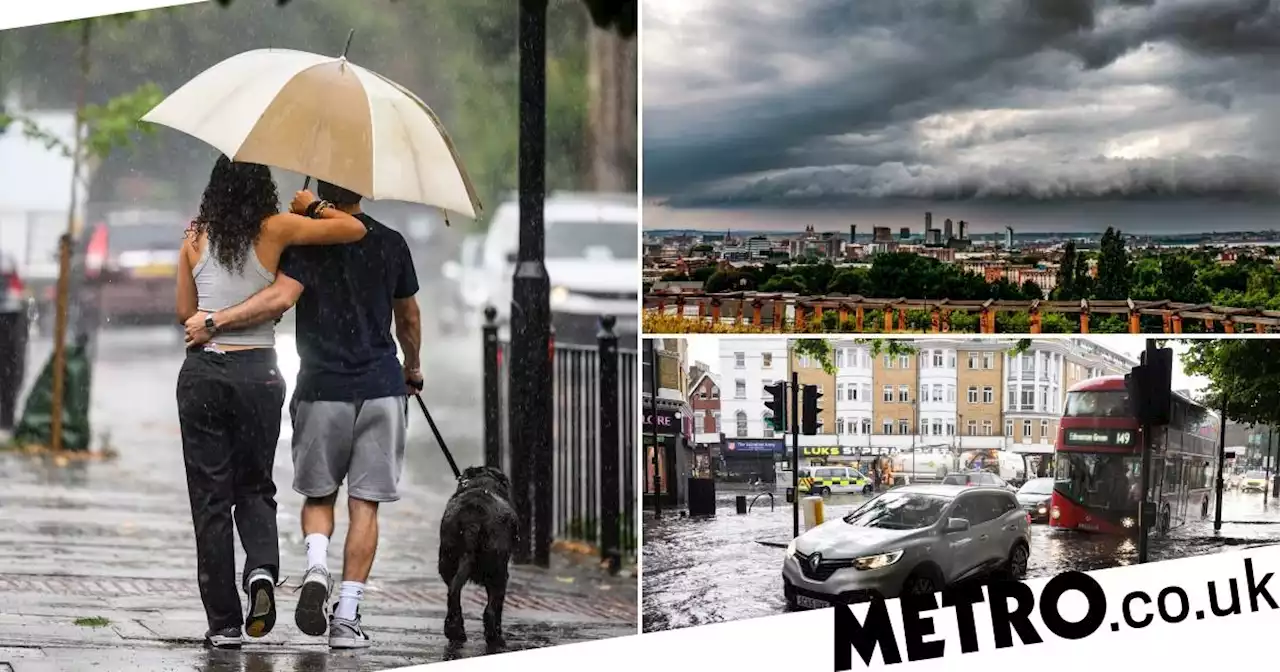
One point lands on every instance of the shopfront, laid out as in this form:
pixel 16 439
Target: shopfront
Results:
pixel 749 460
pixel 861 458
pixel 672 457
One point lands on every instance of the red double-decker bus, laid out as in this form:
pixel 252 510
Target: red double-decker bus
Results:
pixel 1098 461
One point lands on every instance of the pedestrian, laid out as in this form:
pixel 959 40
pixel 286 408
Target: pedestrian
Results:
pixel 350 405
pixel 1204 506
pixel 230 393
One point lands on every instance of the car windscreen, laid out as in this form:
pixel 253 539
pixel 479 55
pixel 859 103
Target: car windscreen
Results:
pixel 571 239
pixel 1256 475
pixel 899 511
pixel 139 237
pixel 957 479
pixel 1037 486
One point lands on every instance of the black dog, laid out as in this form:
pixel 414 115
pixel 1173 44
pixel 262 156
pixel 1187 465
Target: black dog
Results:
pixel 477 536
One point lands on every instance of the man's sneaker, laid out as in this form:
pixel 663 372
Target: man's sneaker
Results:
pixel 226 638
pixel 345 634
pixel 262 604
pixel 312 615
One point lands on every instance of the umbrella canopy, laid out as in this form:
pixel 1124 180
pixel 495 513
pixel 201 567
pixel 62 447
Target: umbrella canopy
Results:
pixel 327 118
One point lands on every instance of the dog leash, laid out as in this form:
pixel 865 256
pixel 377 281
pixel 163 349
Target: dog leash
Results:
pixel 435 430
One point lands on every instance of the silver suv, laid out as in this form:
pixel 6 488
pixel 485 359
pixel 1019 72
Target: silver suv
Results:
pixel 912 540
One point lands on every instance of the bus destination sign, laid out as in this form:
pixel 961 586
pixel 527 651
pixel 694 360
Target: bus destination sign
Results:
pixel 1100 437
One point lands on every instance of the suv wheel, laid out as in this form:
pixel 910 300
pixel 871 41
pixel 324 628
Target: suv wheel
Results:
pixel 1016 566
pixel 920 582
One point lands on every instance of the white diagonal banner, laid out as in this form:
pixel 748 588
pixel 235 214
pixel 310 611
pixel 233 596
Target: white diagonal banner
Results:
pixel 22 13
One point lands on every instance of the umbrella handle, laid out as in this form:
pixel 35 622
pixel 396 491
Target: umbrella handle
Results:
pixel 306 184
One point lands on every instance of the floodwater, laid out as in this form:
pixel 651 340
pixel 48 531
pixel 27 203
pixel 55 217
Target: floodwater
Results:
pixel 700 571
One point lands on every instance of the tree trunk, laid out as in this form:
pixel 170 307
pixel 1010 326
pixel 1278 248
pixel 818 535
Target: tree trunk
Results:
pixel 613 88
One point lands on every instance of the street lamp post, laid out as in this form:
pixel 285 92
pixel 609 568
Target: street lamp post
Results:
pixel 531 414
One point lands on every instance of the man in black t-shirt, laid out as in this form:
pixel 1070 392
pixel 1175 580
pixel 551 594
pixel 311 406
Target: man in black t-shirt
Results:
pixel 349 408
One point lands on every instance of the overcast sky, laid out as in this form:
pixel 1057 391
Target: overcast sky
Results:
pixel 819 103
pixel 707 350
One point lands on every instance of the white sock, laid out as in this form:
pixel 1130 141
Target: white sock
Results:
pixel 317 551
pixel 349 599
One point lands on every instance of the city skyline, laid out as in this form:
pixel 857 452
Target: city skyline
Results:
pixel 1004 106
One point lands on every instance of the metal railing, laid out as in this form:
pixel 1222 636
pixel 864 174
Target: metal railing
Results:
pixel 593 455
pixel 781 312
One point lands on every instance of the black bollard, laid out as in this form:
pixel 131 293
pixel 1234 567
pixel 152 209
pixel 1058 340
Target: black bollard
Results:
pixel 741 502
pixel 492 400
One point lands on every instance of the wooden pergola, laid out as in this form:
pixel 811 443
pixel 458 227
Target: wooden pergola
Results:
pixel 768 311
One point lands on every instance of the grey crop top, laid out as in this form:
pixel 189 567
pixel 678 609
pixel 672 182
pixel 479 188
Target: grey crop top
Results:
pixel 218 289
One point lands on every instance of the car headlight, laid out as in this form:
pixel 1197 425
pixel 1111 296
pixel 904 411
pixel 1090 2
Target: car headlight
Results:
pixel 791 549
pixel 559 295
pixel 877 561
pixel 1042 510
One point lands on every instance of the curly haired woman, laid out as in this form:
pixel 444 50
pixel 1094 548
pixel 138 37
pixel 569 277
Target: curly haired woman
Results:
pixel 230 393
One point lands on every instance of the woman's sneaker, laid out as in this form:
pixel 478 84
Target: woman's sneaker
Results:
pixel 262 604
pixel 312 615
pixel 226 638
pixel 347 634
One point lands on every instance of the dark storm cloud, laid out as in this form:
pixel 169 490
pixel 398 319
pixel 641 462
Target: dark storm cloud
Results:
pixel 825 100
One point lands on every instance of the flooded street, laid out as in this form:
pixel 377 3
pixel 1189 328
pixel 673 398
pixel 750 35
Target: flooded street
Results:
pixel 700 571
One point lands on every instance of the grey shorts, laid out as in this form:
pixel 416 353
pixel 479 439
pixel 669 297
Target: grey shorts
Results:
pixel 359 441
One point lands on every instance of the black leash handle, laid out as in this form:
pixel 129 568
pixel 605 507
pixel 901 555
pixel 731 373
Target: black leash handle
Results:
pixel 435 430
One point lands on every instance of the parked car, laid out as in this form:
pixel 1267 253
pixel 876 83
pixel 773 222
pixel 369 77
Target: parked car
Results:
pixel 1254 481
pixel 825 481
pixel 976 478
pixel 463 308
pixel 128 264
pixel 1034 498
pixel 16 311
pixel 912 540
pixel 592 261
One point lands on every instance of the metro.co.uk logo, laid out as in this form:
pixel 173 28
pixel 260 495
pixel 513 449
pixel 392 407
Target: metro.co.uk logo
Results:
pixel 1010 605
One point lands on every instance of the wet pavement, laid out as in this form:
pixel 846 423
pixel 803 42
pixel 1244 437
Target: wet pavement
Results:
pixel 97 559
pixel 700 571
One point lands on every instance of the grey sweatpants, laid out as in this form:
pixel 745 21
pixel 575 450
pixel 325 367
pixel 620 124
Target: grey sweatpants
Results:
pixel 361 442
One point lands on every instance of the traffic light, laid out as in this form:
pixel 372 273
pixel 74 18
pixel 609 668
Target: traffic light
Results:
pixel 809 410
pixel 1150 387
pixel 777 405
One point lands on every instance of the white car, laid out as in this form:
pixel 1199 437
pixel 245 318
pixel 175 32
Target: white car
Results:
pixel 592 260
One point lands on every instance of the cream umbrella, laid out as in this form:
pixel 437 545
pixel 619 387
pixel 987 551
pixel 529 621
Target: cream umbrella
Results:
pixel 327 118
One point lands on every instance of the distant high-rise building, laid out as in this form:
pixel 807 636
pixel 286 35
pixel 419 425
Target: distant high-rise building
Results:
pixel 963 229
pixel 853 233
pixel 946 230
pixel 905 233
pixel 928 223
pixel 1008 237
pixel 882 235
pixel 933 237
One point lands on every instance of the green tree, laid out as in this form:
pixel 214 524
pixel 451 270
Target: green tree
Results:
pixel 1066 289
pixel 1114 272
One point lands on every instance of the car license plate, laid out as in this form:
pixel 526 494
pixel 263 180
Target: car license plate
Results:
pixel 1088 527
pixel 811 603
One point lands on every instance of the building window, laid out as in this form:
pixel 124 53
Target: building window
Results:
pixel 804 361
pixel 988 361
pixel 700 420
pixel 904 361
pixel 973 360
pixel 715 392
pixel 973 394
pixel 937 428
pixel 988 395
pixel 1008 428
pixel 986 428
pixel 851 392
pixel 924 427
pixel 866 426
pixel 1026 428
pixel 766 360
pixel 924 393
pixel 904 426
pixel 971 427
pixel 937 393
pixel 951 394
pixel 866 391
pixel 768 425
pixel 937 359
pixel 741 417
pixel 904 393
pixel 951 428
pixel 740 388
pixel 839 425
pixel 839 390
pixel 739 360
pixel 1028 399
pixel 951 359
pixel 888 362
pixel 888 393
pixel 887 426
pixel 1044 429
pixel 716 416
pixel 1012 398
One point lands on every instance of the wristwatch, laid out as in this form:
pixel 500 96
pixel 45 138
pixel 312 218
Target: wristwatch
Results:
pixel 209 325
